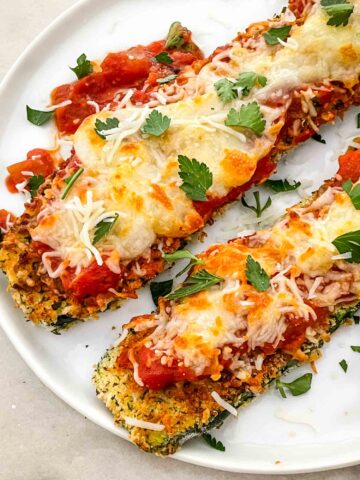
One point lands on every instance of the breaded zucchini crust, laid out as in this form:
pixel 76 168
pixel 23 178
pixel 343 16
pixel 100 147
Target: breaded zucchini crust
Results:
pixel 187 409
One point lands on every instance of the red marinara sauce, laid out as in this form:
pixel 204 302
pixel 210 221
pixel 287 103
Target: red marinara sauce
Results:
pixel 155 376
pixel 132 68
pixel 38 162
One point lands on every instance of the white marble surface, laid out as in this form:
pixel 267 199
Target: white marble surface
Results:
pixel 41 438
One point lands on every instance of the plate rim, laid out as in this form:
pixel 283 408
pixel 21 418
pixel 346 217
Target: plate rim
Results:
pixel 45 377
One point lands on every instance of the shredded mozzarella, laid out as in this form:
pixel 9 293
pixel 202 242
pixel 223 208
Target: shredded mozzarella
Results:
pixel 135 422
pixel 224 404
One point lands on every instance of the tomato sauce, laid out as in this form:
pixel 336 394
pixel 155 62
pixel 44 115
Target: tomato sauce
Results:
pixel 132 68
pixel 4 215
pixel 38 162
pixel 349 165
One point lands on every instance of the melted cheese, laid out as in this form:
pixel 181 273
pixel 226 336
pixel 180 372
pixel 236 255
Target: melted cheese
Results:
pixel 302 262
pixel 137 176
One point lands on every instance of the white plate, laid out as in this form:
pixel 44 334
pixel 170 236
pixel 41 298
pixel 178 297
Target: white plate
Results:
pixel 317 431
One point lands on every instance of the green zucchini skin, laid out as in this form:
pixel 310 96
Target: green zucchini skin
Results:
pixel 186 403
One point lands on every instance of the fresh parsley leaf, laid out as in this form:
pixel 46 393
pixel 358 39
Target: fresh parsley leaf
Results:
pixel 274 34
pixel 101 126
pixel 164 58
pixel 248 80
pixel 37 117
pixel 156 124
pixel 349 242
pixel 318 138
pixel 196 283
pixel 354 348
pixel 167 79
pixel 83 67
pixel 343 364
pixel 339 11
pixel 298 387
pixel 160 289
pixel 196 177
pixel 175 37
pixel 249 116
pixel 258 209
pixel 70 182
pixel 281 185
pixel 226 90
pixel 34 183
pixel 180 254
pixel 353 192
pixel 213 442
pixel 103 228
pixel 256 275
pixel 358 120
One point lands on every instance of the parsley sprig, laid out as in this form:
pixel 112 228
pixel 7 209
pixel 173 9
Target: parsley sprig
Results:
pixel 349 242
pixel 83 67
pixel 196 283
pixel 101 127
pixel 34 183
pixel 281 185
pixel 103 227
pixel 38 117
pixel 156 124
pixel 343 364
pixel 216 444
pixel 70 182
pixel 163 58
pixel 249 116
pixel 298 387
pixel 339 11
pixel 246 81
pixel 353 192
pixel 180 254
pixel 257 208
pixel 274 34
pixel 256 275
pixel 160 289
pixel 175 37
pixel 196 177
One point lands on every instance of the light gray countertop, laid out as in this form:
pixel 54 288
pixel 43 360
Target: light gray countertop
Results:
pixel 41 438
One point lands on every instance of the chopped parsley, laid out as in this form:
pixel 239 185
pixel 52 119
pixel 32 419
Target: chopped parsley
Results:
pixel 163 58
pixel 256 275
pixel 298 387
pixel 274 34
pixel 258 209
pixel 248 80
pixel 281 185
pixel 349 242
pixel 358 120
pixel 353 192
pixel 318 138
pixel 70 182
pixel 249 116
pixel 103 228
pixel 175 36
pixel 216 444
pixel 355 348
pixel 196 177
pixel 196 283
pixel 167 79
pixel 343 364
pixel 156 124
pixel 160 289
pixel 38 117
pixel 34 183
pixel 339 11
pixel 83 67
pixel 226 90
pixel 109 124
pixel 180 254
